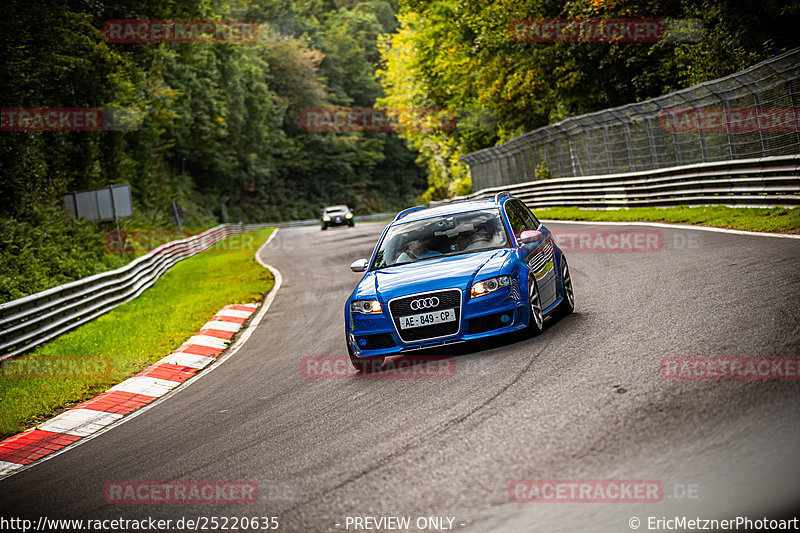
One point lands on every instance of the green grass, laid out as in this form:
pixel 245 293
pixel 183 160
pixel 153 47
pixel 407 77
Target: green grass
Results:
pixel 50 248
pixel 776 220
pixel 139 332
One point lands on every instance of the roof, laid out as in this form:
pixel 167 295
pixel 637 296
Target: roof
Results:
pixel 449 209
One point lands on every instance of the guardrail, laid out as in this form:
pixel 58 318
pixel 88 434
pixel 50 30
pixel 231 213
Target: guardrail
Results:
pixel 761 182
pixel 752 113
pixel 33 320
pixel 30 321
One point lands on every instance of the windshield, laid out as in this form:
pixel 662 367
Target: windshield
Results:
pixel 435 237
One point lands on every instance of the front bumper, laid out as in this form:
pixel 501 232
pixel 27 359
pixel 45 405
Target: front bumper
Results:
pixel 338 222
pixel 498 313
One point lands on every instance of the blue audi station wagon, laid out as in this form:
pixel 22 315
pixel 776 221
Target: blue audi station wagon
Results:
pixel 454 273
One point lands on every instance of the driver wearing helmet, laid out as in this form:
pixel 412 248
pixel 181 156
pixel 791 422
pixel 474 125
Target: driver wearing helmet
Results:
pixel 417 248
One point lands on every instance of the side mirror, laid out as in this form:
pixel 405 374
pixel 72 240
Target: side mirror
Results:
pixel 530 235
pixel 359 265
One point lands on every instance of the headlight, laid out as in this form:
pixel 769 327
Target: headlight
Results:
pixel 326 218
pixel 349 215
pixel 366 307
pixel 488 286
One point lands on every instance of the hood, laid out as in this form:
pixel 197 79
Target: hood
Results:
pixel 432 274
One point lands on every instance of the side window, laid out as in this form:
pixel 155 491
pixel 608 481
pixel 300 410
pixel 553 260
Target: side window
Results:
pixel 516 216
pixel 531 217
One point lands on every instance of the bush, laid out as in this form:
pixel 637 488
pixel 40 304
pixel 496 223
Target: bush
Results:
pixel 49 249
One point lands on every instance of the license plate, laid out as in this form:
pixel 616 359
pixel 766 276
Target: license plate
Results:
pixel 428 319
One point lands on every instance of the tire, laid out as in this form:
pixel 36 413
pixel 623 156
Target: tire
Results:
pixel 567 305
pixel 324 227
pixel 536 318
pixel 365 365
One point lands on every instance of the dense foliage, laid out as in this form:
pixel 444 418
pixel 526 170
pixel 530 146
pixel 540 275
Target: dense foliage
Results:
pixel 207 123
pixel 459 55
pixel 213 120
pixel 220 123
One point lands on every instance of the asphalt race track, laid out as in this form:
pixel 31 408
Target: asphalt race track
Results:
pixel 583 401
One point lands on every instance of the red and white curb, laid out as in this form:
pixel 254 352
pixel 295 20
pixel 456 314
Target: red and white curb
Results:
pixel 92 416
pixel 24 450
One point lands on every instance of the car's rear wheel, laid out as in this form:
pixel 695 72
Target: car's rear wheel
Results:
pixel 536 320
pixel 568 303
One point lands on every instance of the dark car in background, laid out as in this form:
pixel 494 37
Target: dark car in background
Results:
pixel 337 215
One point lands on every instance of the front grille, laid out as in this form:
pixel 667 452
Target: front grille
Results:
pixel 490 322
pixel 448 299
pixel 377 341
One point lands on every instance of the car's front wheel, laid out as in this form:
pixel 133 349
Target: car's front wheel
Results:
pixel 568 303
pixel 536 320
pixel 365 365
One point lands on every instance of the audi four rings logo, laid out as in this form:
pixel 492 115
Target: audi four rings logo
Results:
pixel 424 303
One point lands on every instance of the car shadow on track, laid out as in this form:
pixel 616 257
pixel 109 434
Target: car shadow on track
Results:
pixel 552 326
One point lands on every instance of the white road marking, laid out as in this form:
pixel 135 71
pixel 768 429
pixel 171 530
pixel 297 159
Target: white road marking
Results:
pixel 206 340
pixel 222 325
pixel 6 467
pixel 234 313
pixel 146 385
pixel 79 422
pixel 188 359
